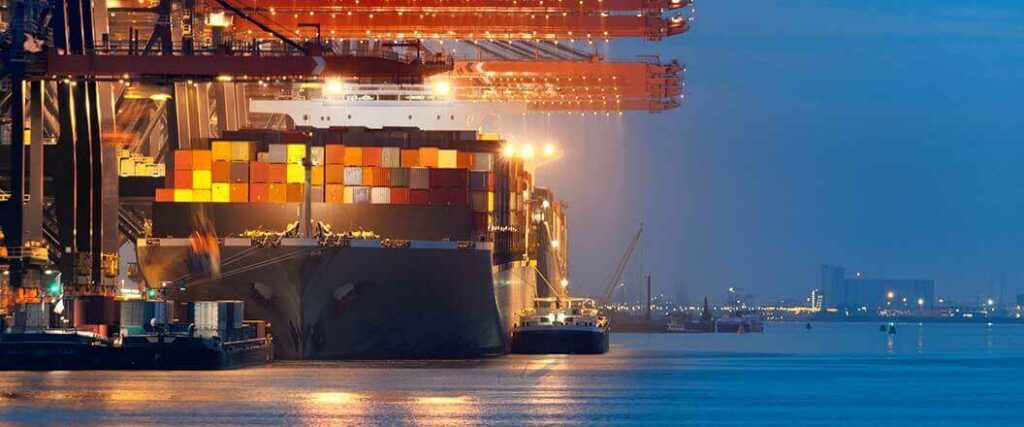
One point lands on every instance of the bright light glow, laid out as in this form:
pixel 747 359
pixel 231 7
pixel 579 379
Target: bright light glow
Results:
pixel 546 204
pixel 47 271
pixel 442 88
pixel 990 302
pixel 442 400
pixel 527 152
pixel 890 295
pixel 549 150
pixel 334 87
pixel 555 243
pixel 160 97
pixel 565 283
pixel 509 150
pixel 218 19
pixel 920 301
pixel 224 78
pixel 334 398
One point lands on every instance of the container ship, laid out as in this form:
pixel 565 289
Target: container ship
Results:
pixel 355 243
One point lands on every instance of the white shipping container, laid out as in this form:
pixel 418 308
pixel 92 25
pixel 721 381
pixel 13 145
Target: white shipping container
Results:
pixel 353 176
pixel 380 195
pixel 390 157
pixel 482 162
pixel 317 155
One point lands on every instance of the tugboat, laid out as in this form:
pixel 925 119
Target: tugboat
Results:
pixel 560 325
pixel 740 322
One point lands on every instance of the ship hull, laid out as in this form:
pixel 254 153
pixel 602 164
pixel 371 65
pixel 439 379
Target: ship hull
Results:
pixel 553 340
pixel 427 301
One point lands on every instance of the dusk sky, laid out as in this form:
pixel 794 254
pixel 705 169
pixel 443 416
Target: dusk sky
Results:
pixel 880 135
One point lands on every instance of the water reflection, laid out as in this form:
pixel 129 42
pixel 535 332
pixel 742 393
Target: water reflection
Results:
pixel 444 410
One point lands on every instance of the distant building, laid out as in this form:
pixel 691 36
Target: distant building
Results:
pixel 817 300
pixel 853 293
pixel 832 281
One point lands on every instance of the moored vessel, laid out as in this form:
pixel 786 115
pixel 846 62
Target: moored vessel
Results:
pixel 561 325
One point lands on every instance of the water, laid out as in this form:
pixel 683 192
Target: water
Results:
pixel 831 375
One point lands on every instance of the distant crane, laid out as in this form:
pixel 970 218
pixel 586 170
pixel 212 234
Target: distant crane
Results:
pixel 613 281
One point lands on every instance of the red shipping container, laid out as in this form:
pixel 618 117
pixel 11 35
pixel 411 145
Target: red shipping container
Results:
pixel 182 159
pixel 439 196
pixel 490 182
pixel 295 193
pixel 260 172
pixel 419 197
pixel 464 160
pixel 383 178
pixel 481 220
pixel 165 194
pixel 259 192
pixel 278 173
pixel 438 178
pixel 399 196
pixel 457 196
pixel 334 154
pixel 458 178
pixel 183 178
pixel 221 171
pixel 371 156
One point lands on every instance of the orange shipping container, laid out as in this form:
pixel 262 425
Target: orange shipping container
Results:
pixel 317 177
pixel 183 178
pixel 165 194
pixel 295 192
pixel 239 192
pixel 201 159
pixel 368 176
pixel 334 174
pixel 353 156
pixel 428 157
pixel 464 160
pixel 259 172
pixel 335 193
pixel 182 159
pixel 259 192
pixel 221 171
pixel 334 154
pixel 277 193
pixel 410 158
pixel 278 173
pixel 371 156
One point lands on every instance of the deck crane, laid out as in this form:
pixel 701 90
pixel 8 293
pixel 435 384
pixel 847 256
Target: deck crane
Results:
pixel 613 281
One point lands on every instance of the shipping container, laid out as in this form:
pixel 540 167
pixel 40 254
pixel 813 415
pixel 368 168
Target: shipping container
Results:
pixel 410 158
pixel 419 178
pixel 221 192
pixel 182 194
pixel 348 195
pixel 478 181
pixel 241 151
pixel 398 177
pixel 399 196
pixel 439 196
pixel 334 174
pixel 183 178
pixel 465 160
pixel 481 221
pixel 221 171
pixel 478 201
pixel 182 160
pixel 447 159
pixel 202 195
pixel 258 193
pixel 139 317
pixel 353 156
pixel 164 194
pixel 278 173
pixel 482 162
pixel 220 150
pixel 380 195
pixel 239 192
pixel 278 153
pixel 371 156
pixel 317 156
pixel 240 172
pixel 391 157
pixel 335 193
pixel 316 194
pixel 296 152
pixel 296 173
pixel 428 157
pixel 457 196
pixel 201 159
pixel 361 195
pixel 334 154
pixel 259 172
pixel 353 176
pixel 368 176
pixel 201 179
pixel 317 175
pixel 277 192
pixel 295 193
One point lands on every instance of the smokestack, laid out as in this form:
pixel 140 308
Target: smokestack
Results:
pixel 647 309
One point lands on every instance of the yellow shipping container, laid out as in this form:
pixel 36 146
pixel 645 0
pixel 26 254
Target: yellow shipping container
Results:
pixel 296 152
pixel 448 159
pixel 182 195
pixel 204 196
pixel 349 197
pixel 318 175
pixel 490 201
pixel 296 174
pixel 201 179
pixel 221 192
pixel 240 152
pixel 221 150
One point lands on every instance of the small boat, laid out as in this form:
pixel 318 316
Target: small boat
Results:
pixel 560 326
pixel 808 326
pixel 740 322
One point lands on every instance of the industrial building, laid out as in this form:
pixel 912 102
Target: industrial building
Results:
pixel 874 294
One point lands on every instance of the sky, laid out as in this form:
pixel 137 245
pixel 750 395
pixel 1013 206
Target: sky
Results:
pixel 883 136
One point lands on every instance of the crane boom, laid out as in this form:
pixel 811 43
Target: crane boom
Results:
pixel 621 268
